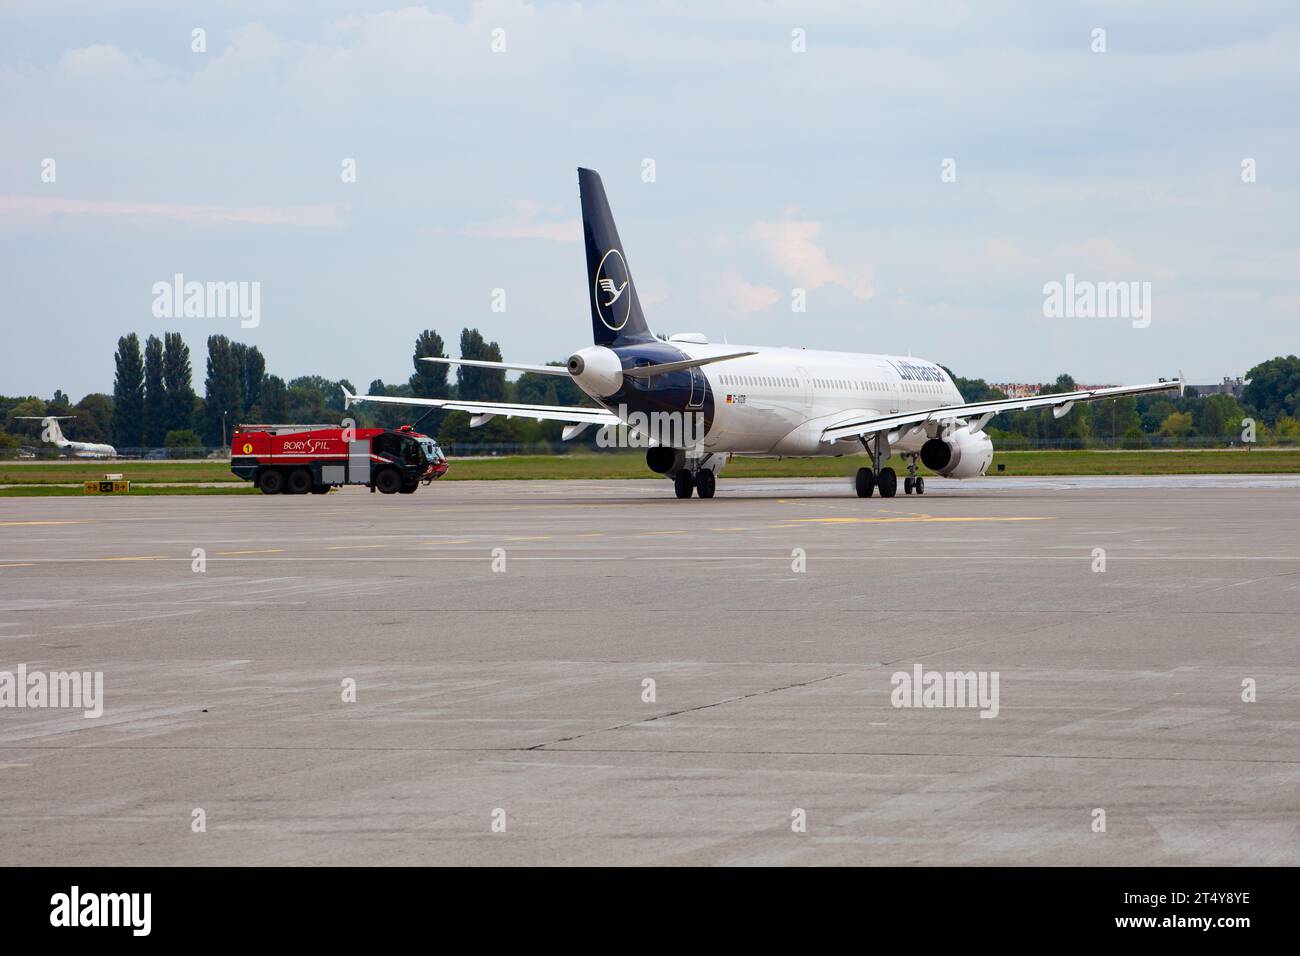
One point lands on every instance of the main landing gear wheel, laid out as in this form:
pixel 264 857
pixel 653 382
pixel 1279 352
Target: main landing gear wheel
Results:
pixel 864 482
pixel 706 483
pixel 887 481
pixel 683 484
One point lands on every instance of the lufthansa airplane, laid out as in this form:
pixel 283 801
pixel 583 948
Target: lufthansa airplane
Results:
pixel 754 400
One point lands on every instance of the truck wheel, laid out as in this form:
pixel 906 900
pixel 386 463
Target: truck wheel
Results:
pixel 271 482
pixel 409 487
pixel 388 481
pixel 299 482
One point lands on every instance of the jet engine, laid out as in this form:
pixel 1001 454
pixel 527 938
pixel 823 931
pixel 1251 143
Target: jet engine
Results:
pixel 597 371
pixel 958 455
pixel 664 460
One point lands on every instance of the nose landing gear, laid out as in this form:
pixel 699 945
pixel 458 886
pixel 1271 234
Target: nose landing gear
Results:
pixel 913 483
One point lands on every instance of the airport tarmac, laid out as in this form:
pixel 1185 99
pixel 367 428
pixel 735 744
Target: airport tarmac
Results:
pixel 500 636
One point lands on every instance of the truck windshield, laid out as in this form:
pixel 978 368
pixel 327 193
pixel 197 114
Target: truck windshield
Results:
pixel 432 453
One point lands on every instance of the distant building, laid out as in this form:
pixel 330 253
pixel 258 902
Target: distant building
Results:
pixel 1230 386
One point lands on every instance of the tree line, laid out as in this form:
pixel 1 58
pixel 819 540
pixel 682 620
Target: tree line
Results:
pixel 154 404
pixel 1267 412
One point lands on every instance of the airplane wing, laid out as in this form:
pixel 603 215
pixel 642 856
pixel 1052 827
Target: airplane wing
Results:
pixel 578 417
pixel 978 413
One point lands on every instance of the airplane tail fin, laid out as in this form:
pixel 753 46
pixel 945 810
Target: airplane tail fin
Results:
pixel 51 432
pixel 616 315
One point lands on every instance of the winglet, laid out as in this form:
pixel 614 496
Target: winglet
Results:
pixel 348 398
pixel 1182 383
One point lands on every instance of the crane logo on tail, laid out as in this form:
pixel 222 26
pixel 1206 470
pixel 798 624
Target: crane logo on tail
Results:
pixel 608 286
pixel 611 285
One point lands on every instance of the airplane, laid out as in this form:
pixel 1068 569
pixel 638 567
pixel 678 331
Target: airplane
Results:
pixel 754 400
pixel 54 435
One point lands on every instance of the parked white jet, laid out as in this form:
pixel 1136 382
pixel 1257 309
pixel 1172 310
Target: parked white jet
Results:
pixel 754 400
pixel 77 449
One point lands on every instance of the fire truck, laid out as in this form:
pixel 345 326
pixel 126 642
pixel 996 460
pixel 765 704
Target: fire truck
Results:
pixel 297 459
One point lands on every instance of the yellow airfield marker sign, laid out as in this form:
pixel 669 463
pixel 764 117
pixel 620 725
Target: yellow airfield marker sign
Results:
pixel 110 485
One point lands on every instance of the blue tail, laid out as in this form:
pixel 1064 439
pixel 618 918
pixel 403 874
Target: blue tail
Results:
pixel 616 316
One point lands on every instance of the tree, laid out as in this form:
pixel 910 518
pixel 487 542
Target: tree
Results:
pixel 534 388
pixel 252 370
pixel 275 401
pixel 181 440
pixel 428 381
pixel 430 378
pixel 1075 428
pixel 222 399
pixel 178 384
pixel 1217 415
pixel 1274 388
pixel 1135 438
pixel 329 392
pixel 155 395
pixel 975 389
pixel 128 393
pixel 1177 425
pixel 1113 419
pixel 94 417
pixel 1287 428
pixel 391 416
pixel 479 384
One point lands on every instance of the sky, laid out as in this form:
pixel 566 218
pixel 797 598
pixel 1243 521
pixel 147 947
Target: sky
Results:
pixel 921 170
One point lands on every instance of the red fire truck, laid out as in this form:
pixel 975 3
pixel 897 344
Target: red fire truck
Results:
pixel 297 459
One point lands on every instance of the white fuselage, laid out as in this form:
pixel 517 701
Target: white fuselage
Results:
pixel 82 449
pixel 777 401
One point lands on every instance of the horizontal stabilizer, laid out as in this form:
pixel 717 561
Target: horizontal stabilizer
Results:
pixel 646 371
pixel 485 363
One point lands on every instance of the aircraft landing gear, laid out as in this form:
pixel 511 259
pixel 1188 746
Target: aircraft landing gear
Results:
pixel 864 482
pixel 706 482
pixel 696 478
pixel 881 476
pixel 887 482
pixel 683 483
pixel 913 483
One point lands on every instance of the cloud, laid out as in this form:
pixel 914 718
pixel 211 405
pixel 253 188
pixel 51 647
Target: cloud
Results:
pixel 525 224
pixel 100 59
pixel 27 211
pixel 791 247
pixel 744 297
